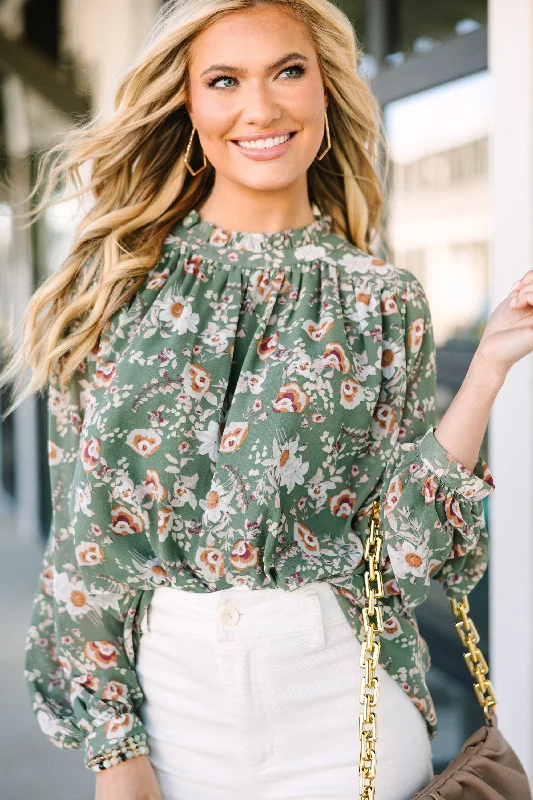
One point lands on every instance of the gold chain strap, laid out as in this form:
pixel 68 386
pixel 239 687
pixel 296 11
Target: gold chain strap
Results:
pixel 371 647
pixel 475 661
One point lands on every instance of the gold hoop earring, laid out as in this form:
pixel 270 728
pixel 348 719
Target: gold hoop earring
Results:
pixel 321 156
pixel 186 156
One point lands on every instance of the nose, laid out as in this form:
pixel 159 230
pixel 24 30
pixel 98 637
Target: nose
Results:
pixel 259 106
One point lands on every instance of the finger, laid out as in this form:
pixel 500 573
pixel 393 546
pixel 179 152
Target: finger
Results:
pixel 526 280
pixel 522 299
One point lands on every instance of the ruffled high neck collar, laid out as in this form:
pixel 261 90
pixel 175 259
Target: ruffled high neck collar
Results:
pixel 288 239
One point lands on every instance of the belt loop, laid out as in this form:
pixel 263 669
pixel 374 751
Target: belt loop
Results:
pixel 317 617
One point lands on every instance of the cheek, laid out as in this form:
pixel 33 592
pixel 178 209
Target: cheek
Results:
pixel 213 114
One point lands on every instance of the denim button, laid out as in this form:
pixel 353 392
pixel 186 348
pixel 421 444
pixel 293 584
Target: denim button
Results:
pixel 229 616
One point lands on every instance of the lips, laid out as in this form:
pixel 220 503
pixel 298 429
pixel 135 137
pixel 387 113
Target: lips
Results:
pixel 265 153
pixel 261 145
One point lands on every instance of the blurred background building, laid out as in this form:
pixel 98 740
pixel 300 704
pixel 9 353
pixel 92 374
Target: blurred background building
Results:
pixel 455 81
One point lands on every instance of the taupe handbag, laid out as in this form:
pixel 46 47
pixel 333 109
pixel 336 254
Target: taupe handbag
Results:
pixel 486 768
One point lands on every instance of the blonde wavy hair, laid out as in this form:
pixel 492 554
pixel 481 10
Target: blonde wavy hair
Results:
pixel 139 185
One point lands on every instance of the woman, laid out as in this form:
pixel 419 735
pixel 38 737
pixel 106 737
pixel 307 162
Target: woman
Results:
pixel 234 377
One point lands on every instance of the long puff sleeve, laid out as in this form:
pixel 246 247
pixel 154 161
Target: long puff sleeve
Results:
pixel 432 512
pixel 79 663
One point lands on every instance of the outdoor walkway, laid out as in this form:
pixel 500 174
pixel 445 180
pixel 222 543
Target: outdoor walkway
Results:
pixel 31 768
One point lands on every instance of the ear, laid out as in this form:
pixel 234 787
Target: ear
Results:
pixel 326 99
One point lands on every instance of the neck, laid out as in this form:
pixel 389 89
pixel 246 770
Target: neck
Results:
pixel 234 207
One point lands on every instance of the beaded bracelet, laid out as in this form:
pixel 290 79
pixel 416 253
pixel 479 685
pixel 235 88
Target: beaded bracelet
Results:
pixel 129 748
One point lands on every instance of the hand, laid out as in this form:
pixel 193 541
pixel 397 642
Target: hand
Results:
pixel 508 335
pixel 133 779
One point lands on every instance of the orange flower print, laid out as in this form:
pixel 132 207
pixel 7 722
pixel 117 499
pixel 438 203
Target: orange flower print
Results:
pixel 196 380
pixel 193 267
pixel 430 487
pixel 47 581
pixel 393 495
pixel 391 587
pixel 217 503
pixel 260 287
pixel 165 518
pixel 158 279
pixel 415 334
pixel 419 702
pixel 346 593
pixel 153 571
pixel 281 284
pixel 73 594
pixel 104 374
pixel 125 522
pixel 219 236
pixel 391 627
pixel 244 555
pixel 391 358
pixel 384 419
pixel 87 681
pixel 408 559
pixel 289 467
pixel 89 554
pixel 351 393
pixel 211 562
pixel 234 435
pixel 267 345
pixel 114 690
pixel 144 441
pixel 177 315
pixel 102 348
pixel 453 511
pixel 153 486
pixel 118 727
pixel 305 537
pixel 458 550
pixel 104 654
pixel 434 565
pixel 388 304
pixel 341 504
pixel 317 332
pixel 335 356
pixel 90 453
pixel 55 453
pixel 291 397
pixel 65 665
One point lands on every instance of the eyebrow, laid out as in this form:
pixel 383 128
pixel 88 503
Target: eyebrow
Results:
pixel 240 70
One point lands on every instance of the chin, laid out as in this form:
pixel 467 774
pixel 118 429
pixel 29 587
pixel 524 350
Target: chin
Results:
pixel 277 181
pixel 265 186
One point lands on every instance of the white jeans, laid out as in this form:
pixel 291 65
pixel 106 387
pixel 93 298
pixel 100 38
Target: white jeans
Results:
pixel 254 695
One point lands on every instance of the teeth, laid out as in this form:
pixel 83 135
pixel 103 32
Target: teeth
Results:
pixel 261 144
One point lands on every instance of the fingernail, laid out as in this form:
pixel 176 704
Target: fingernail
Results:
pixel 513 302
pixel 515 285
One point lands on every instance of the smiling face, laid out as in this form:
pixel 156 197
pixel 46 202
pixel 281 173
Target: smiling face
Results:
pixel 268 91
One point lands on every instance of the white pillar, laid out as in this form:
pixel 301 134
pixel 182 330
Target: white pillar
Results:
pixel 103 36
pixel 511 428
pixel 19 280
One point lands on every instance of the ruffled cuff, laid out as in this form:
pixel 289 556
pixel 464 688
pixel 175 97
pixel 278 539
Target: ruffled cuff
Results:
pixel 433 521
pixel 109 733
pixel 471 485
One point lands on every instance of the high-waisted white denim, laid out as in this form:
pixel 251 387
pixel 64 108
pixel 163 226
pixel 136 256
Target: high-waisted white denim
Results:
pixel 254 695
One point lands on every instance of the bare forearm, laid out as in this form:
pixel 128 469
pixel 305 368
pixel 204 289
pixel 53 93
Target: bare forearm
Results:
pixel 463 426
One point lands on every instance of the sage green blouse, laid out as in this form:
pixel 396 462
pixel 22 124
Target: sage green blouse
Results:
pixel 233 426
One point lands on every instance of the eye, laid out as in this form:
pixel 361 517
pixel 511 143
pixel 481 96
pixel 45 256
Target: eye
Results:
pixel 300 69
pixel 221 78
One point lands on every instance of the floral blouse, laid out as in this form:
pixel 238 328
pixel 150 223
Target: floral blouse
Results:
pixel 233 426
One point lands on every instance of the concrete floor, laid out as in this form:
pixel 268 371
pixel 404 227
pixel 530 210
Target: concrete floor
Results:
pixel 31 767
